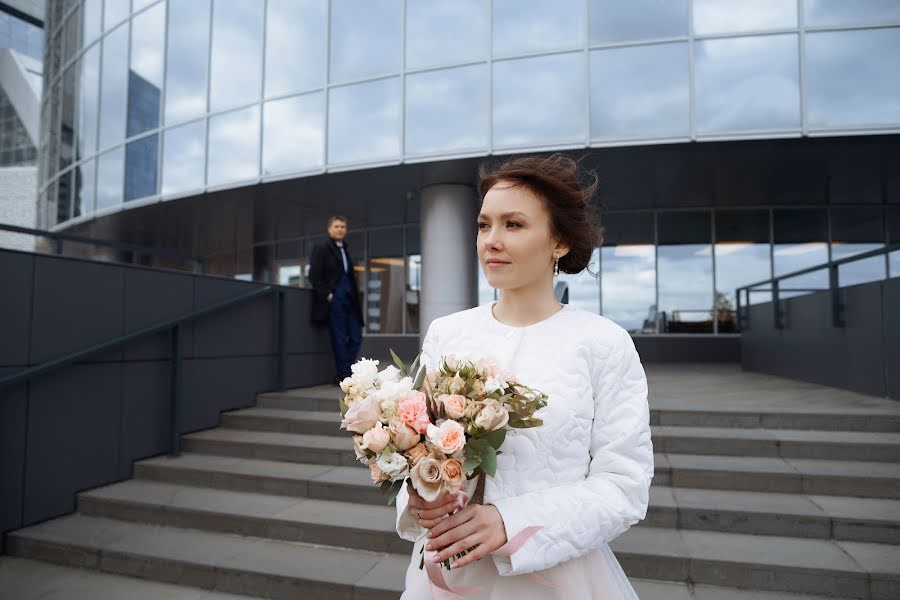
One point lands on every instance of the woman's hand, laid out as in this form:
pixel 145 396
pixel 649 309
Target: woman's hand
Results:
pixel 430 513
pixel 478 525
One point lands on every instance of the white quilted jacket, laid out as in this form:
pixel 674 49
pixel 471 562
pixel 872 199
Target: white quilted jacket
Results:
pixel 585 473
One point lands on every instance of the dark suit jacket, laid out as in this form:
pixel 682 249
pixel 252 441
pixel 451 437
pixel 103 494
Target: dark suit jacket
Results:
pixel 325 269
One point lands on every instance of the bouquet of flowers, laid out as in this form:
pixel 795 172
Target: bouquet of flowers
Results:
pixel 439 428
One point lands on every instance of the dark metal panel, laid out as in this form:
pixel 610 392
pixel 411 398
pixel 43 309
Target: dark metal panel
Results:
pixel 76 304
pixel 152 297
pixel 891 299
pixel 303 335
pixel 146 411
pixel 240 330
pixel 73 433
pixel 15 307
pixel 12 454
pixel 215 385
pixel 688 349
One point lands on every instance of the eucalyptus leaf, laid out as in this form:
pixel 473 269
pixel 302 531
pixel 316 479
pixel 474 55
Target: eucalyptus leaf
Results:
pixel 399 362
pixel 495 438
pixel 420 379
pixel 489 461
pixel 395 489
pixel 344 407
pixel 471 463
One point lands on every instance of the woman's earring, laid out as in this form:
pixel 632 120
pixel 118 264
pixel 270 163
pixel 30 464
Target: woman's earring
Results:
pixel 556 266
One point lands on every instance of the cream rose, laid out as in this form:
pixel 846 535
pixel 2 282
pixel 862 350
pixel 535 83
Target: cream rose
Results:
pixel 457 384
pixel 426 478
pixel 452 474
pixel 454 404
pixel 362 416
pixel 360 450
pixel 394 465
pixel 376 438
pixel 417 453
pixel 376 472
pixel 404 436
pixel 492 416
pixel 448 437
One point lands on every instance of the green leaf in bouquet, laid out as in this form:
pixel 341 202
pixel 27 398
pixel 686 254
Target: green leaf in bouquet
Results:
pixel 344 407
pixel 385 485
pixel 420 378
pixel 489 461
pixel 495 438
pixel 414 367
pixel 395 488
pixel 476 444
pixel 399 362
pixel 471 463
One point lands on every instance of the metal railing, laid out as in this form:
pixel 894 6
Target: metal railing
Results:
pixel 57 239
pixel 837 307
pixel 176 327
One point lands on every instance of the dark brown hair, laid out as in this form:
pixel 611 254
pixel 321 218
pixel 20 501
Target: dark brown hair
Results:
pixel 555 180
pixel 334 218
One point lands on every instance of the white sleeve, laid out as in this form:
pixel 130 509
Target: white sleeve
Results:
pixel 579 517
pixel 408 527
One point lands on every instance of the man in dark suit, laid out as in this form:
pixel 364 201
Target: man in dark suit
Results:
pixel 337 297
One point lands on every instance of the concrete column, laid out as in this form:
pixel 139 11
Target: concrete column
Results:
pixel 449 260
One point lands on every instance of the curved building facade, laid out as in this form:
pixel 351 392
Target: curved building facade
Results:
pixel 233 128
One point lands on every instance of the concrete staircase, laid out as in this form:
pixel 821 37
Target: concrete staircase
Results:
pixel 746 503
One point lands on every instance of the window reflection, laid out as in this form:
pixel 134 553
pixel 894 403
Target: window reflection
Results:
pixel 137 5
pixel 441 32
pixel 88 90
pixel 146 73
pixel 447 110
pixel 851 77
pixel 617 21
pixel 64 198
pixel 364 121
pixel 742 257
pixel 236 62
pixel 295 45
pixel 822 13
pixel 67 118
pixel 183 157
pixel 110 171
pixel 527 26
pixel 187 63
pixel 685 272
pixel 854 231
pixel 747 83
pixel 729 16
pixel 293 134
pixel 539 100
pixel 141 167
pixel 365 38
pixel 650 97
pixel 91 14
pixel 628 271
pixel 83 198
pixel 112 87
pixel 114 12
pixel 386 284
pixel 233 146
pixel 584 288
pixel 413 280
pixel 801 241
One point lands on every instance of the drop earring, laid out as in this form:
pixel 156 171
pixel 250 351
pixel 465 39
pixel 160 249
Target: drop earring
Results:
pixel 556 266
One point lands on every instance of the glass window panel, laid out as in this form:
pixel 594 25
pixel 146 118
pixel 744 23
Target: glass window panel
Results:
pixel 365 38
pixel 539 100
pixel 801 241
pixel 685 255
pixel 617 21
pixel 112 87
pixel 293 134
pixel 146 73
pixel 110 173
pixel 747 83
pixel 83 199
pixel 526 26
pixel 237 38
pixel 141 167
pixel 822 13
pixel 386 282
pixel 234 146
pixel 584 288
pixel 183 157
pixel 852 78
pixel 88 101
pixel 628 271
pixel 188 59
pixel 442 32
pixel 67 118
pixel 743 256
pixel 650 97
pixel 729 16
pixel 413 279
pixel 137 5
pixel 295 45
pixel 447 110
pixel 364 121
pixel 894 258
pixel 114 12
pixel 854 231
pixel 92 15
pixel 63 198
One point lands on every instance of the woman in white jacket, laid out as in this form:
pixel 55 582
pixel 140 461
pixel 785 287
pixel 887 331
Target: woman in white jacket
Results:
pixel 584 475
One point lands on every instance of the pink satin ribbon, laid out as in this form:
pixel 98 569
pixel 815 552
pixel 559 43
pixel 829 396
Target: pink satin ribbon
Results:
pixel 436 577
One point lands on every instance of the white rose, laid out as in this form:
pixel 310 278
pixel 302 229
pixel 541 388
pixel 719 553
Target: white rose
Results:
pixel 389 374
pixel 394 465
pixel 493 384
pixel 365 371
pixel 492 416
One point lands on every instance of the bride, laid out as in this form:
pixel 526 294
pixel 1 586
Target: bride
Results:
pixel 584 475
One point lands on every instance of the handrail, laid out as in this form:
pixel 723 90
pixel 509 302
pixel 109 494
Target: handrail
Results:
pixel 176 326
pixel 837 307
pixel 59 237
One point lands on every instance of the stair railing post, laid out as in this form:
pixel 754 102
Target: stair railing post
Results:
pixel 837 309
pixel 175 421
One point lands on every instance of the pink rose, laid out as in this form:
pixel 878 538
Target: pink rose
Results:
pixel 417 452
pixel 362 416
pixel 449 437
pixel 454 404
pixel 376 438
pixel 452 474
pixel 413 412
pixel 376 473
pixel 404 436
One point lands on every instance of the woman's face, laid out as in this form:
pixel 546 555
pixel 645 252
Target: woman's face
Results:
pixel 514 244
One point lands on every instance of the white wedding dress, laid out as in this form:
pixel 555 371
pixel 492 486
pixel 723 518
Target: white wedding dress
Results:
pixel 584 475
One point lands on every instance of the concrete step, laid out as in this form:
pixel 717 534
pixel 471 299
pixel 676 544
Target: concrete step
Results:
pixel 293 447
pixel 733 441
pixel 327 522
pixel 221 561
pixel 785 475
pixel 768 563
pixel 871 419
